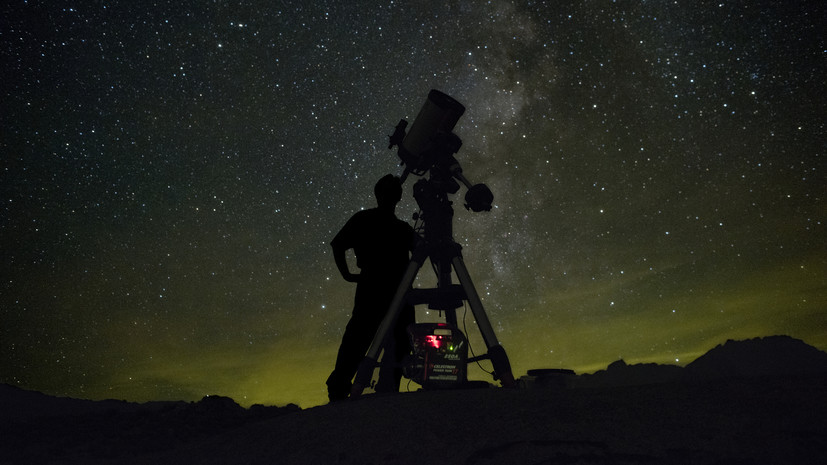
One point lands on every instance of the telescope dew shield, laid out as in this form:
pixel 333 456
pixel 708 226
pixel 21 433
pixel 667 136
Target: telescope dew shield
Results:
pixel 439 114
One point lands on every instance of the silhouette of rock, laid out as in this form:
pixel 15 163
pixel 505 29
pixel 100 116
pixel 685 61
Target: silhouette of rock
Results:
pixel 767 356
pixel 620 373
pixel 774 355
pixel 218 407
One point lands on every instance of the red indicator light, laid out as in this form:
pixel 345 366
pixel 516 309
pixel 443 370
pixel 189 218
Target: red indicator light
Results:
pixel 433 341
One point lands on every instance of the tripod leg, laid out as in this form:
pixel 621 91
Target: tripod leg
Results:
pixel 502 367
pixel 368 364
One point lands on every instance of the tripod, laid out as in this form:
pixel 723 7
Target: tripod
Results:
pixel 438 245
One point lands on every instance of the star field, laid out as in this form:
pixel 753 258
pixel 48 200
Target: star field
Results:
pixel 172 174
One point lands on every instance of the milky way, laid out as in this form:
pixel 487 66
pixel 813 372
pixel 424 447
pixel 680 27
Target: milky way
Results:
pixel 172 174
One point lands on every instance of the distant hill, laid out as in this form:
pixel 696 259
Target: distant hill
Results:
pixel 774 355
pixel 19 404
pixel 620 373
pixel 767 356
pixel 16 403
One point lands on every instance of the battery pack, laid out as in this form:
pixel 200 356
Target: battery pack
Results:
pixel 440 356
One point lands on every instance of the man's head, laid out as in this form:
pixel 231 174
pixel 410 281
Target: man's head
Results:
pixel 388 191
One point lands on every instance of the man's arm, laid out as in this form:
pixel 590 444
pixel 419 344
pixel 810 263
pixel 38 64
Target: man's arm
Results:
pixel 341 264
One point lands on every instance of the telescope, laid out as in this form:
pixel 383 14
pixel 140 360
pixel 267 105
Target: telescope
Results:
pixel 430 145
pixel 440 351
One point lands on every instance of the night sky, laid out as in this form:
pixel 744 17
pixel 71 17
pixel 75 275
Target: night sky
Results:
pixel 172 174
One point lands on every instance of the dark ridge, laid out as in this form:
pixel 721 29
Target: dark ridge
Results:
pixel 773 355
pixel 758 357
pixel 620 373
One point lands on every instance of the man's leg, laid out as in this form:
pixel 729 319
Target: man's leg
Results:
pixel 351 351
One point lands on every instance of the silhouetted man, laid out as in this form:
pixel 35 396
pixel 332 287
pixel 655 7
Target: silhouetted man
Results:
pixel 382 244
